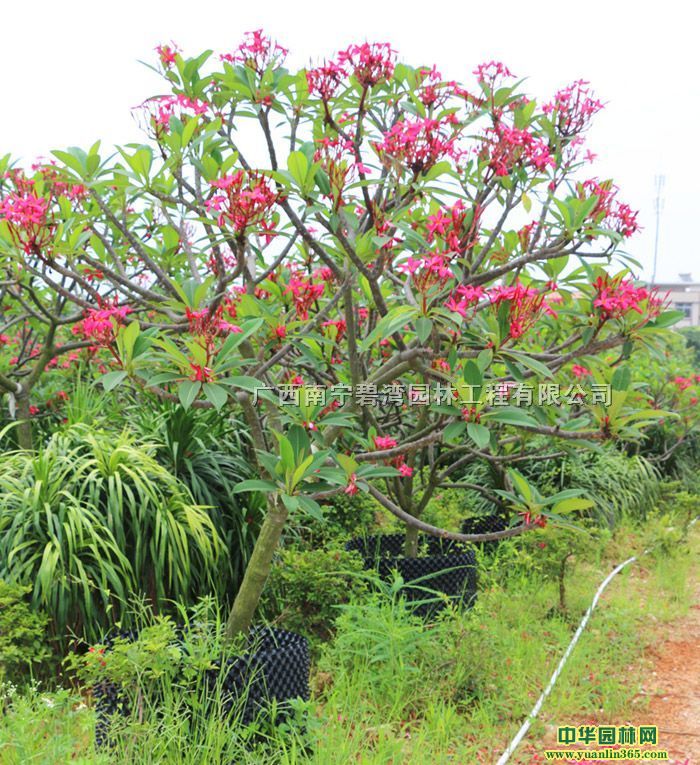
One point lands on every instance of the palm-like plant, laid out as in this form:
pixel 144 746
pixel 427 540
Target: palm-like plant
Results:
pixel 92 519
pixel 208 453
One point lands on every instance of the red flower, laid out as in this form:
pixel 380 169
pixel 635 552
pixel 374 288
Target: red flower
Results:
pixel 572 108
pixel 162 108
pixel 683 383
pixel 506 148
pixel 524 306
pixel 167 54
pixel 351 489
pixel 385 442
pixel 608 211
pixel 324 81
pixel 464 300
pixel 427 271
pixel 200 373
pixel 578 371
pixel 371 63
pixel 100 324
pixel 419 144
pixel 257 52
pixel 616 296
pixel 491 71
pixel 304 292
pixel 245 202
pixel 26 215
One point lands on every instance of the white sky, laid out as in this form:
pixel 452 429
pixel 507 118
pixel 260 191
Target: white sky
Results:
pixel 71 73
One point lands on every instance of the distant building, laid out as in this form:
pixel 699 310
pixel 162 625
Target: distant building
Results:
pixel 684 296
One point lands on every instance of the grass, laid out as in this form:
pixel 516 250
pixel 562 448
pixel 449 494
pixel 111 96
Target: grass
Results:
pixel 390 689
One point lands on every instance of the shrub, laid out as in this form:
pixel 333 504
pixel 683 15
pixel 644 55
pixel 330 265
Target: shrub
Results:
pixel 92 519
pixel 210 455
pixel 307 586
pixel 23 645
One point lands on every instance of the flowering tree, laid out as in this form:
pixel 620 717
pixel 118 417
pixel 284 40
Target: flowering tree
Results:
pixel 362 227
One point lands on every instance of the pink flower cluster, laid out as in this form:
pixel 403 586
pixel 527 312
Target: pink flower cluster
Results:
pixel 336 156
pixel 257 52
pixel 26 215
pixel 167 54
pixel 420 143
pixel 525 305
pixel 209 325
pixel 449 224
pixel 53 180
pixel 431 90
pixel 616 296
pixel 99 324
pixel 573 108
pixel 25 210
pixel 508 147
pixel 181 106
pixel 617 215
pixel 683 383
pixel 371 63
pixel 427 271
pixel 304 293
pixel 490 72
pixel 399 462
pixel 464 300
pixel 324 81
pixel 244 202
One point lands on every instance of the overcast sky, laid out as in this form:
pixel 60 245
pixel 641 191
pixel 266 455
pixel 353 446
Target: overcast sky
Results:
pixel 71 73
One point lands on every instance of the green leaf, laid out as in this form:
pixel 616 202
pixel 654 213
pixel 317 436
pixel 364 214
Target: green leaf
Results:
pixel 348 464
pixel 571 505
pixel 286 452
pixel 666 319
pixel 453 432
pixel 478 434
pixel 216 394
pixel 254 485
pixel 187 392
pixel 510 416
pixel 298 166
pixel 112 379
pixel 246 383
pixel 311 508
pixel 393 321
pixel 532 364
pixel 424 327
pixel 473 375
pixel 622 379
pixel 521 485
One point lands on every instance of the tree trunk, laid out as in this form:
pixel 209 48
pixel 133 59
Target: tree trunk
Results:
pixel 24 423
pixel 258 570
pixel 410 549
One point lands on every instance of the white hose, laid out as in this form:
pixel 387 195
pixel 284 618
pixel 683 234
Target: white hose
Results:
pixel 553 679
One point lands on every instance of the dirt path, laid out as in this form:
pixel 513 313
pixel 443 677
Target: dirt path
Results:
pixel 674 688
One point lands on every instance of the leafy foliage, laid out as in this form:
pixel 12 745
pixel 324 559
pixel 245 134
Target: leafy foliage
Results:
pixel 210 454
pixel 307 587
pixel 23 634
pixel 91 519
